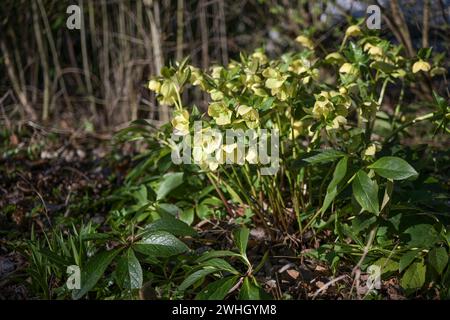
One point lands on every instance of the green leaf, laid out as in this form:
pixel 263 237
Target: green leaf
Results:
pixel 160 244
pixel 134 270
pixel 406 260
pixel 129 271
pixel 414 277
pixel 217 290
pixel 382 66
pixel 241 239
pixel 324 156
pixel 338 175
pixel 196 276
pixel 217 253
pixel 169 182
pixel 187 216
pixel 233 194
pixel 251 291
pixel 96 236
pixel 172 225
pixel 93 271
pixel 386 265
pixel 438 259
pixel 366 192
pixel 393 168
pixel 54 257
pixel 421 236
pixel 203 211
pixel 221 265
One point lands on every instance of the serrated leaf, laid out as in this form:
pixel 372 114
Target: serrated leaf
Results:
pixel 134 270
pixel 217 290
pixel 393 168
pixel 169 182
pixel 366 192
pixel 338 175
pixel 160 244
pixel 93 271
pixel 414 277
pixel 438 259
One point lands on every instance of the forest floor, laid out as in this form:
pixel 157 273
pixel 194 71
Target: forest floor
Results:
pixel 50 181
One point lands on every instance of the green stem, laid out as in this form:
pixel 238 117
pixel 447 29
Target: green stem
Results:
pixel 427 116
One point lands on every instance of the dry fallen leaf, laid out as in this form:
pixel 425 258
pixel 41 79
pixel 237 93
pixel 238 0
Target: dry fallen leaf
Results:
pixel 293 273
pixel 319 284
pixel 320 268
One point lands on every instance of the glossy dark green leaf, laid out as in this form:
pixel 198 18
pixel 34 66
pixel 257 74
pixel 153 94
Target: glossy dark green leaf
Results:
pixel 251 291
pixel 338 175
pixel 366 192
pixel 217 290
pixel 438 259
pixel 241 239
pixel 220 264
pixel 171 225
pixel 93 271
pixel 393 168
pixel 217 253
pixel 195 277
pixel 134 270
pixel 169 182
pixel 160 244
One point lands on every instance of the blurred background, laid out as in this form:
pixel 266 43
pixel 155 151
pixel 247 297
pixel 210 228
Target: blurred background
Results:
pixel 95 78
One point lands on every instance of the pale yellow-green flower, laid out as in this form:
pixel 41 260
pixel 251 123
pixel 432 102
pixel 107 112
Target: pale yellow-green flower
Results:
pixel 371 150
pixel 216 71
pixel 298 127
pixel 216 95
pixel 337 122
pixel 373 50
pixel 180 122
pixel 298 66
pixel 168 93
pixel 305 41
pixel 220 113
pixel 353 31
pixel 421 66
pixel 348 68
pixel 260 56
pixel 250 115
pixel 197 78
pixel 154 85
pixel 323 106
pixel 334 57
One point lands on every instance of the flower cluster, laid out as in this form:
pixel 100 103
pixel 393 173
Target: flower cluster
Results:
pixel 299 94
